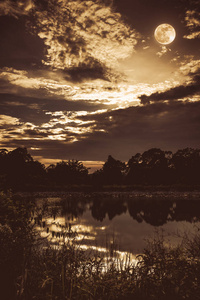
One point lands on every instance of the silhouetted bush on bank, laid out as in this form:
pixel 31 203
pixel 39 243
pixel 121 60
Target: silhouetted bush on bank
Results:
pixel 153 168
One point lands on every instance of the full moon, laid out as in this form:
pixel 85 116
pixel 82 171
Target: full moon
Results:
pixel 165 34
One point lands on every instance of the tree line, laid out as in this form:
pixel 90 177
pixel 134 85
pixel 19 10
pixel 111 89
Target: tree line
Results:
pixel 19 171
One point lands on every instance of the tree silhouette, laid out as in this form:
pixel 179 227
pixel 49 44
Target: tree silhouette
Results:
pixel 135 174
pixel 187 165
pixel 112 172
pixel 149 168
pixel 19 171
pixel 36 173
pixel 69 172
pixel 3 167
pixel 155 164
pixel 17 167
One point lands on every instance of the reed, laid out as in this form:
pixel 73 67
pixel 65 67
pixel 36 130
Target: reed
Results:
pixel 29 271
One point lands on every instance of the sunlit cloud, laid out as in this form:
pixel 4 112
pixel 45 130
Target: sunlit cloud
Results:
pixel 189 65
pixel 12 128
pixel 16 8
pixel 7 120
pixel 189 91
pixel 163 51
pixel 83 86
pixel 192 20
pixel 121 95
pixel 71 124
pixel 22 79
pixel 84 34
pixel 115 96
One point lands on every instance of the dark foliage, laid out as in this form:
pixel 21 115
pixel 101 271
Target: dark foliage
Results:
pixel 19 171
pixel 29 271
pixel 70 172
pixel 16 240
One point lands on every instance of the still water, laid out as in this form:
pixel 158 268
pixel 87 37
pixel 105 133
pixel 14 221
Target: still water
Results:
pixel 120 221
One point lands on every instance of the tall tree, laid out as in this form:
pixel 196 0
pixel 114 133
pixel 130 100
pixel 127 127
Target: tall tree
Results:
pixel 113 171
pixel 187 166
pixel 69 172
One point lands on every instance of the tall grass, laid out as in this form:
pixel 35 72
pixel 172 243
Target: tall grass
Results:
pixel 48 273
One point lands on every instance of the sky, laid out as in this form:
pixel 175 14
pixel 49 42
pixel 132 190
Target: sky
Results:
pixel 87 79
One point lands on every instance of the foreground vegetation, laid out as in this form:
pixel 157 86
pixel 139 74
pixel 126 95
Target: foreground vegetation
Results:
pixel 28 270
pixel 163 169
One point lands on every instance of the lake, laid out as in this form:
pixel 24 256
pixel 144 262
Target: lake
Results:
pixel 120 222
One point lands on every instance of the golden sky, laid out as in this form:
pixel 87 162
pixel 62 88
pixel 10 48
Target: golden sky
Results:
pixel 84 79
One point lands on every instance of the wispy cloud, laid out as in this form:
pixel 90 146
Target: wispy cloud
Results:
pixel 95 92
pixel 88 37
pixel 166 125
pixel 44 84
pixel 8 120
pixel 77 86
pixel 15 8
pixel 192 20
pixel 180 92
pixel 163 51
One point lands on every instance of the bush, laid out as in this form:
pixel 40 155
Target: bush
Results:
pixel 66 272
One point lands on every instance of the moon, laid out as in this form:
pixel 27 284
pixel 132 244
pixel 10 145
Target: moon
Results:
pixel 165 34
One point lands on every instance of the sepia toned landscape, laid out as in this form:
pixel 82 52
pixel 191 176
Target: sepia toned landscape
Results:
pixel 99 150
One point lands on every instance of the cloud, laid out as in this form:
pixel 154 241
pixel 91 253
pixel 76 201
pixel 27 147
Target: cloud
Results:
pixel 176 93
pixel 43 84
pixel 26 109
pixel 83 35
pixel 192 20
pixel 163 51
pixel 189 66
pixel 19 48
pixel 15 8
pixel 127 131
pixel 8 120
pixel 61 89
pixel 38 110
pixel 97 93
pixel 84 72
pixel 40 118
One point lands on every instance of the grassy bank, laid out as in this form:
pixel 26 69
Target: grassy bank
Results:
pixel 30 271
pixel 104 188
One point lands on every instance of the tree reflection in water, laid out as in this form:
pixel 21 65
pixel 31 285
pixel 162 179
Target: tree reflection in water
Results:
pixel 154 210
pixel 74 213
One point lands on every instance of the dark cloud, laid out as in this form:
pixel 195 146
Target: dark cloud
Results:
pixel 85 39
pixel 167 126
pixel 192 20
pixel 43 45
pixel 26 109
pixel 179 92
pixel 19 49
pixel 30 109
pixel 15 8
pixel 93 70
pixel 34 132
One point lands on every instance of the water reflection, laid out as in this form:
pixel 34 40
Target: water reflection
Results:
pixel 115 223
